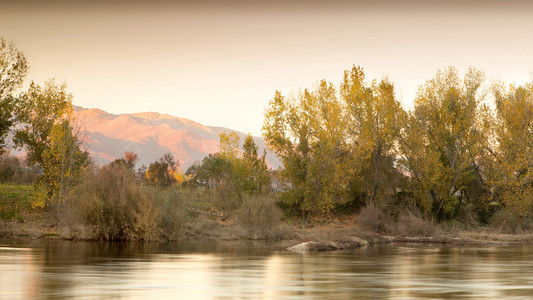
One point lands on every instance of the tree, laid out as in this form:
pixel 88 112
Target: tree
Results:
pixel 374 119
pixel 231 170
pixel 64 161
pixel 47 131
pixel 252 168
pixel 443 141
pixel 128 161
pixel 513 159
pixel 38 110
pixel 228 145
pixel 13 69
pixel 337 145
pixel 164 171
pixel 213 172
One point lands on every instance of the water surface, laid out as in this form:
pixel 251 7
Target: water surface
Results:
pixel 53 269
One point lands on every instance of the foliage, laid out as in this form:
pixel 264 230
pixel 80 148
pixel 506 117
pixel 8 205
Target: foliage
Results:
pixel 336 143
pixel 14 170
pixel 442 142
pixel 213 172
pixel 38 110
pixel 230 172
pixel 169 203
pixel 64 161
pixel 117 207
pixel 164 171
pixel 128 161
pixel 13 69
pixel 47 131
pixel 512 166
pixel 15 200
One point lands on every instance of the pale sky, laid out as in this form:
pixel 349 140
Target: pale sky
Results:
pixel 220 62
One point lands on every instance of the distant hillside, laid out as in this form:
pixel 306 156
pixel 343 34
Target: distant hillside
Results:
pixel 151 135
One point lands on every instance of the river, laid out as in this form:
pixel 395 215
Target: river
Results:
pixel 56 269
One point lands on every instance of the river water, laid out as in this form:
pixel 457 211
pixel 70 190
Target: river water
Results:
pixel 54 269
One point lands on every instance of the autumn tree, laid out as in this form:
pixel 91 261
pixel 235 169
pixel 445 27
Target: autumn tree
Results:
pixel 287 131
pixel 48 131
pixel 64 160
pixel 443 140
pixel 13 69
pixel 128 161
pixel 164 171
pixel 373 122
pixel 512 173
pixel 336 144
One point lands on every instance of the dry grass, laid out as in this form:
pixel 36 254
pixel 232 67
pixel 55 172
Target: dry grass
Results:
pixel 374 219
pixel 412 224
pixel 259 214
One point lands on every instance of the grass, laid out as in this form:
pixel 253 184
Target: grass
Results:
pixel 15 201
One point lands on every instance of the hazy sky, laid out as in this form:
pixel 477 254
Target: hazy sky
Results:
pixel 219 62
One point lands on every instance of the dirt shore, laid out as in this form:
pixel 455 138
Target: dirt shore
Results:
pixel 329 236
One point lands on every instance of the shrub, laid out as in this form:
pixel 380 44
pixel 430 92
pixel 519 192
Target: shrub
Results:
pixel 412 223
pixel 259 214
pixel 169 203
pixel 117 207
pixel 227 199
pixel 375 219
pixel 506 222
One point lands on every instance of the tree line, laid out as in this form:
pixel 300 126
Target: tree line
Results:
pixel 454 154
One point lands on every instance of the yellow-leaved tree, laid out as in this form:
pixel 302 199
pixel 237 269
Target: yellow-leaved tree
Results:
pixel 443 142
pixel 337 145
pixel 513 180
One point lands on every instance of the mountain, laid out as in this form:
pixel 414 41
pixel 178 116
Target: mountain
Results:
pixel 151 135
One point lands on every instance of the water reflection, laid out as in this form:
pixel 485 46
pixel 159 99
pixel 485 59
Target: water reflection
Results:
pixel 206 270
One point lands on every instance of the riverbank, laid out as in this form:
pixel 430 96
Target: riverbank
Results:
pixel 197 216
pixel 329 235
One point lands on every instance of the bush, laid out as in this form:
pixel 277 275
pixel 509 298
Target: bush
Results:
pixel 117 207
pixel 375 219
pixel 412 223
pixel 259 214
pixel 171 211
pixel 506 222
pixel 227 199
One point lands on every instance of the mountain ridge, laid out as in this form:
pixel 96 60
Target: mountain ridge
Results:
pixel 150 135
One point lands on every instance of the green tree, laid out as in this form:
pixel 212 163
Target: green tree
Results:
pixel 252 168
pixel 13 69
pixel 214 172
pixel 38 110
pixel 46 130
pixel 231 170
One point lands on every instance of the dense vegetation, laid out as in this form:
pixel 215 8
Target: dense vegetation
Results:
pixel 464 153
pixel 451 157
